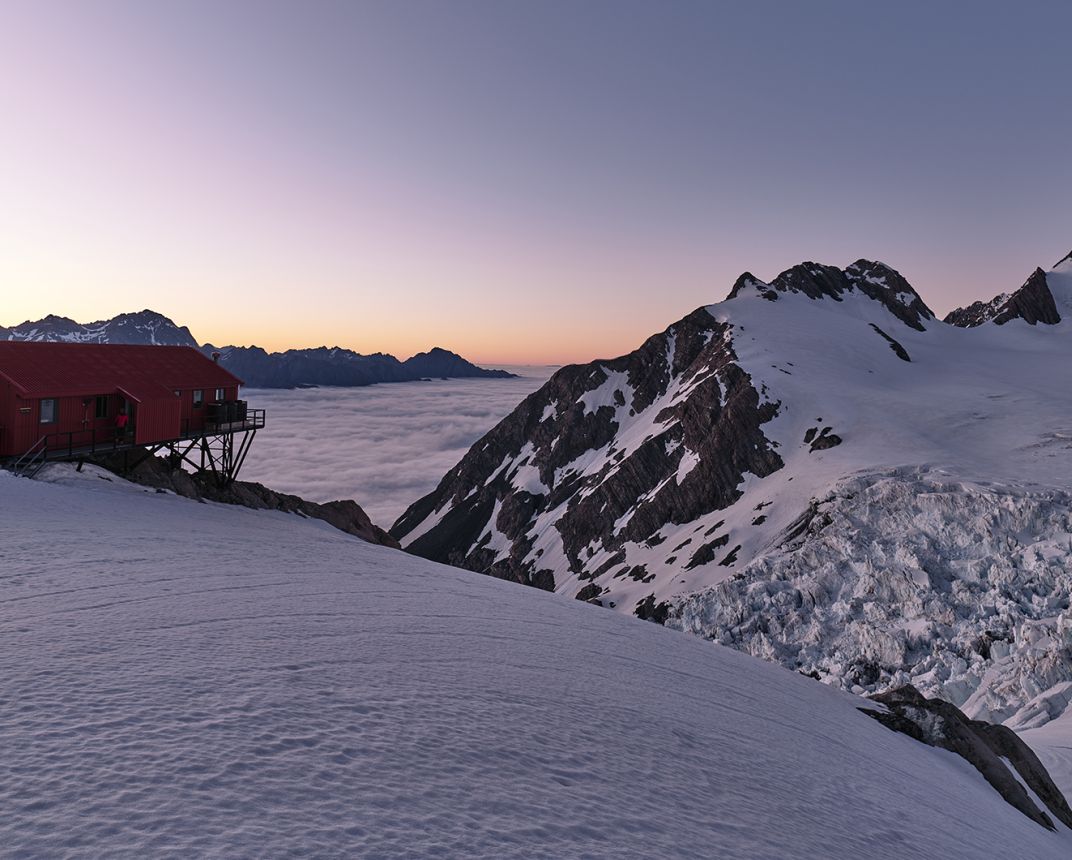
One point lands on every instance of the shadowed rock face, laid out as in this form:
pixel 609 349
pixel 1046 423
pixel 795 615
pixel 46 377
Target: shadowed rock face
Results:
pixel 345 515
pixel 987 746
pixel 598 455
pixel 1033 303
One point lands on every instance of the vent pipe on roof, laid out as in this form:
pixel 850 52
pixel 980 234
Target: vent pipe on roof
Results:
pixel 216 357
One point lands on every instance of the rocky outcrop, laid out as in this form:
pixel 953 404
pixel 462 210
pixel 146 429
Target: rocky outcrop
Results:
pixel 1033 303
pixel 995 751
pixel 895 345
pixel 887 286
pixel 345 515
pixel 823 441
pixel 875 280
pixel 603 454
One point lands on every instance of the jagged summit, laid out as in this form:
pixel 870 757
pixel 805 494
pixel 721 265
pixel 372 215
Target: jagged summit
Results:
pixel 1033 303
pixel 145 327
pixel 818 281
pixel 51 319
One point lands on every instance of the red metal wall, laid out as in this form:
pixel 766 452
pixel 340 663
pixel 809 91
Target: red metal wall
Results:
pixel 7 418
pixel 21 429
pixel 157 420
pixel 27 430
pixel 24 426
pixel 153 421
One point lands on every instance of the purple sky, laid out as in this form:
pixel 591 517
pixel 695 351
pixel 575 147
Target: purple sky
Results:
pixel 520 182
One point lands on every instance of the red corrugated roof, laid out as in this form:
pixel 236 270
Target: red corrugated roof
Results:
pixel 74 369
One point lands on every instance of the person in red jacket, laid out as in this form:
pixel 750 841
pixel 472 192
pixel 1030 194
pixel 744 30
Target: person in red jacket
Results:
pixel 121 421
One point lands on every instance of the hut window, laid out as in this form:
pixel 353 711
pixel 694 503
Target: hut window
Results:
pixel 48 411
pixel 219 395
pixel 102 406
pixel 199 398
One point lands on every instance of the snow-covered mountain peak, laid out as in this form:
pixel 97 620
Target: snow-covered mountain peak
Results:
pixel 748 284
pixel 143 327
pixel 640 481
pixel 876 280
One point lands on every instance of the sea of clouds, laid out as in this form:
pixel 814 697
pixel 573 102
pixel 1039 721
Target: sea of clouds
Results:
pixel 383 446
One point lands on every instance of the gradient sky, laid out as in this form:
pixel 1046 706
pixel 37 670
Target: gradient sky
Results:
pixel 520 182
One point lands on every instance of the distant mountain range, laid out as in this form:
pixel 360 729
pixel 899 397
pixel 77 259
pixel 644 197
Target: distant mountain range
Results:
pixel 146 327
pixel 255 366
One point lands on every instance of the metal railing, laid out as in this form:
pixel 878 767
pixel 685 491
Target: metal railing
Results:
pixel 251 419
pixel 30 463
pixel 90 440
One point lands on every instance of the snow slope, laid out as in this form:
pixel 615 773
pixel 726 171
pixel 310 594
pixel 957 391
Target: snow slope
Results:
pixel 1052 743
pixel 183 679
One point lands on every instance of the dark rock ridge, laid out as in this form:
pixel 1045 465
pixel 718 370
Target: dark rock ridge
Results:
pixel 986 746
pixel 558 458
pixel 1033 303
pixel 898 350
pixel 875 280
pixel 345 515
pixel 337 366
pixel 257 368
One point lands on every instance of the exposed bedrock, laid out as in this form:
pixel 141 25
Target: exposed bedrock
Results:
pixel 1033 303
pixel 995 751
pixel 603 454
pixel 344 514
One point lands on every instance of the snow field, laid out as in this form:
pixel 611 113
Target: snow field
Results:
pixel 184 679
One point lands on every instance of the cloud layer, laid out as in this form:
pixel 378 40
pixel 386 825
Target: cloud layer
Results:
pixel 384 446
